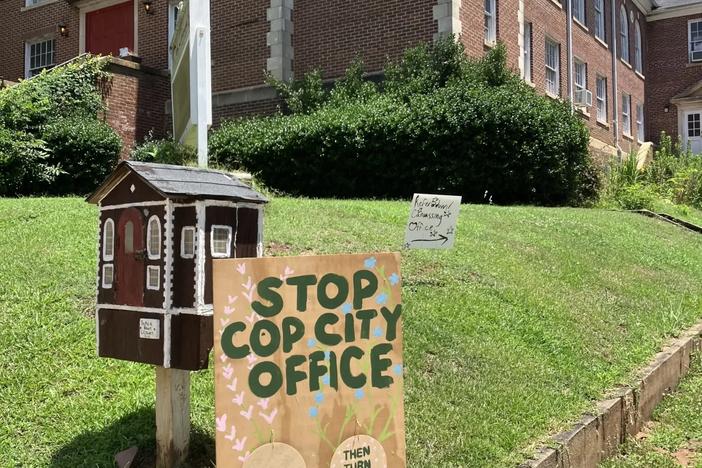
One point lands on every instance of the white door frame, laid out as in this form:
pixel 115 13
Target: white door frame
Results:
pixel 87 6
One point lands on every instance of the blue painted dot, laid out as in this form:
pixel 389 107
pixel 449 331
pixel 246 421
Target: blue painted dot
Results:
pixel 327 355
pixel 394 279
pixel 369 262
pixel 377 331
pixel 311 342
pixel 397 369
pixel 314 411
pixel 382 298
pixel 325 379
pixel 346 308
pixel 359 393
pixel 319 397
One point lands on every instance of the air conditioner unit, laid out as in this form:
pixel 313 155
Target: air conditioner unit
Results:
pixel 696 56
pixel 583 97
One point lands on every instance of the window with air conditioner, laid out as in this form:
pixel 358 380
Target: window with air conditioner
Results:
pixel 695 40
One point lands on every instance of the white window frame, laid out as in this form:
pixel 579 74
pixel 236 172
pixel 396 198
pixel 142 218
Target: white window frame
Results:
pixel 638 53
pixel 228 252
pixel 601 98
pixel 687 124
pixel 528 51
pixel 600 30
pixel 578 67
pixel 149 285
pixel 690 45
pixel 150 253
pixel 579 11
pixel 108 257
pixel 639 123
pixel 105 267
pixel 490 18
pixel 556 70
pixel 182 241
pixel 624 34
pixel 626 114
pixel 27 54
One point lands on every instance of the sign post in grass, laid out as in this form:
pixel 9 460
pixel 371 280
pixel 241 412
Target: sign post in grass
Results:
pixel 308 362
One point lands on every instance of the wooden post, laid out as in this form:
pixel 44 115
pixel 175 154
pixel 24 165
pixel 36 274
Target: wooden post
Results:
pixel 172 417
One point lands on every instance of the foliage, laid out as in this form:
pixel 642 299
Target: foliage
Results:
pixel 44 153
pixel 301 96
pixel 442 123
pixel 24 165
pixel 85 149
pixel 165 151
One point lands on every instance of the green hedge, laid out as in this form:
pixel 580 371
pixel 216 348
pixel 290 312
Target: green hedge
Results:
pixel 476 132
pixel 24 166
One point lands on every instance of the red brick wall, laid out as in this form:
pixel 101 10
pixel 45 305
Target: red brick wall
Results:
pixel 669 72
pixel 135 105
pixel 153 35
pixel 239 50
pixel 21 26
pixel 328 35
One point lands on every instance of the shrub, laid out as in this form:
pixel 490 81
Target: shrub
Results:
pixel 24 166
pixel 164 152
pixel 85 149
pixel 637 197
pixel 442 125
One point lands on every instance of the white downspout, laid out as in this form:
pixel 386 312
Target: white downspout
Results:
pixel 569 24
pixel 615 80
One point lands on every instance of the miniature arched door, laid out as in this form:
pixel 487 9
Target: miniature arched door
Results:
pixel 130 258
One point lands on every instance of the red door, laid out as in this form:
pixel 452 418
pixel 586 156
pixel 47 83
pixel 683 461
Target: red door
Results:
pixel 130 259
pixel 109 29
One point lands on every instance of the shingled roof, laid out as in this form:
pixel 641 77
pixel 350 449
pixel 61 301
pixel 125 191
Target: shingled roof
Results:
pixel 181 182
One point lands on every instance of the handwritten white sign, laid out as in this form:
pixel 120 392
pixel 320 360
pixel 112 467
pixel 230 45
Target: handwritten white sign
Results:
pixel 432 221
pixel 149 329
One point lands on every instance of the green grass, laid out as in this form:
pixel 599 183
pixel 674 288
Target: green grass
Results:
pixel 684 212
pixel 531 317
pixel 675 435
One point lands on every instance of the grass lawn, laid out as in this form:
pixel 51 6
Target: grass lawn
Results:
pixel 684 212
pixel 508 337
pixel 674 438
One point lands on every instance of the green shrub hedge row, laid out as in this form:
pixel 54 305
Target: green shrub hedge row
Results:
pixel 474 130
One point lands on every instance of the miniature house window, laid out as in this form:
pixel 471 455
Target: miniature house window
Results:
pixel 153 277
pixel 108 275
pixel 129 237
pixel 221 240
pixel 108 240
pixel 187 242
pixel 153 236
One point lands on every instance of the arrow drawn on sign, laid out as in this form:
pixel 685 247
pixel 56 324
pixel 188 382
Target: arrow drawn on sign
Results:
pixel 441 237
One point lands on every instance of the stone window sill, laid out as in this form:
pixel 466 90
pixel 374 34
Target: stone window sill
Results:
pixel 557 3
pixel 694 64
pixel 583 111
pixel 603 124
pixel 576 21
pixel 627 137
pixel 640 75
pixel 553 96
pixel 626 63
pixel 602 42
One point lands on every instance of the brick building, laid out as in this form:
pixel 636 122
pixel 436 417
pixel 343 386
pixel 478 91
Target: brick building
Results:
pixel 636 64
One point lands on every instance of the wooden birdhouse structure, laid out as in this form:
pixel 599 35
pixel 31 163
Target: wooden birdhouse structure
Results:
pixel 160 228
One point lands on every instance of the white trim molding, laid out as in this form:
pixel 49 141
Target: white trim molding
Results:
pixel 279 39
pixel 447 13
pixel 228 251
pixel 200 254
pixel 105 256
pixel 192 230
pixel 154 254
pixel 105 267
pixel 148 310
pixel 132 205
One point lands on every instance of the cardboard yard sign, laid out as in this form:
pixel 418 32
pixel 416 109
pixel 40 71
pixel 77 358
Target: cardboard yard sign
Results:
pixel 308 362
pixel 432 221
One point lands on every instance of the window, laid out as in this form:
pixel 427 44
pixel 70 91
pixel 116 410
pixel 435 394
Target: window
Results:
pixel 695 40
pixel 693 125
pixel 153 238
pixel 108 240
pixel 579 11
pixel 580 75
pixel 39 55
pixel 553 59
pixel 639 123
pixel 221 240
pixel 490 21
pixel 153 277
pixel 527 52
pixel 108 275
pixel 638 59
pixel 626 114
pixel 601 99
pixel 187 242
pixel 623 34
pixel 599 19
pixel 173 10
